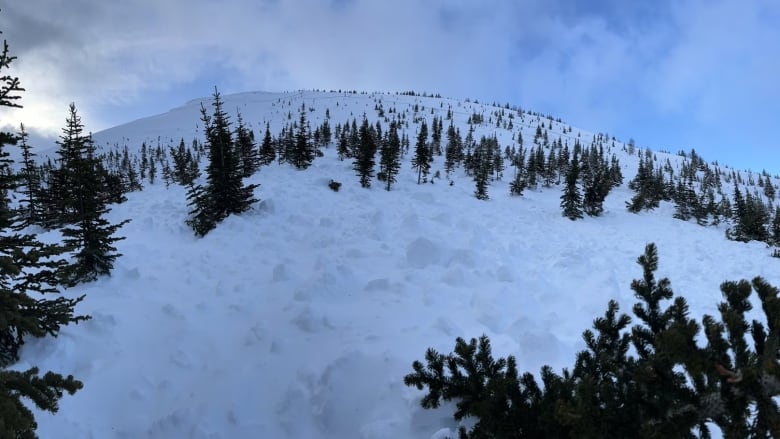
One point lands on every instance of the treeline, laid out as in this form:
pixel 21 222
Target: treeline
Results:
pixel 701 192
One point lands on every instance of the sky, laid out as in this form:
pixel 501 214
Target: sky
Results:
pixel 671 74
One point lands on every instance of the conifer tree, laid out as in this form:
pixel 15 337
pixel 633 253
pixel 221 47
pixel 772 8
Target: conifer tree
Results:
pixel 482 162
pixel 343 146
pixel 666 387
pixel 436 136
pixel 453 151
pixel 245 144
pixel 769 189
pixel 571 199
pixel 422 154
pixel 519 183
pixel 390 156
pixel 304 151
pixel 364 160
pixel 267 151
pixel 27 267
pixel 185 169
pixel 776 227
pixel 224 193
pixel 597 181
pixel 30 211
pixel 649 186
pixel 86 232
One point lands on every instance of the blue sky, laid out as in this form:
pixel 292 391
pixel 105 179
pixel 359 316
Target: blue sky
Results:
pixel 670 74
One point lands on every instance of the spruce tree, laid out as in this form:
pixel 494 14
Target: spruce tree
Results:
pixel 571 199
pixel 422 154
pixel 364 160
pixel 304 150
pixel 27 268
pixel 650 380
pixel 596 186
pixel 184 171
pixel 648 184
pixel 267 151
pixel 86 232
pixel 482 161
pixel 245 144
pixel 453 151
pixel 224 193
pixel 390 156
pixel 30 210
pixel 519 183
pixel 775 228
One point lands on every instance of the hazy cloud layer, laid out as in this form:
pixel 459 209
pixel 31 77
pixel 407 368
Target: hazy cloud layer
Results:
pixel 671 74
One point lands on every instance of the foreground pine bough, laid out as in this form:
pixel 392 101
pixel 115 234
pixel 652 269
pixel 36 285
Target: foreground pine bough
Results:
pixel 668 387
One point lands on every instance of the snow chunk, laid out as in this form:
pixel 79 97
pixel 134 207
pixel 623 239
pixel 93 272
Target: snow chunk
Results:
pixel 422 252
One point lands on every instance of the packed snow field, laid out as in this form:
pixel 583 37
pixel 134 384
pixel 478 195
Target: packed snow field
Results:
pixel 300 318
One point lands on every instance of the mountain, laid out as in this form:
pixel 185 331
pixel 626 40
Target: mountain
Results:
pixel 300 318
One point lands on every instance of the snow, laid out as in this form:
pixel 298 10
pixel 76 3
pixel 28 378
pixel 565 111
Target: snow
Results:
pixel 300 318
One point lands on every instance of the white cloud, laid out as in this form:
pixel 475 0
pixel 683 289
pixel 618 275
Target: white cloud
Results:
pixel 614 65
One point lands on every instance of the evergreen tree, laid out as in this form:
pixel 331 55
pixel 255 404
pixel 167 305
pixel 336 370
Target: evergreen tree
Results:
pixel 453 151
pixel 364 160
pixel 597 181
pixel 144 160
pixel 27 267
pixel 519 183
pixel 185 169
pixel 571 199
pixel 482 163
pixel 87 232
pixel 667 386
pixel 436 136
pixel 245 144
pixel 30 211
pixel 776 227
pixel 390 156
pixel 267 151
pixel 649 186
pixel 343 146
pixel 304 150
pixel 769 189
pixel 224 193
pixel 422 154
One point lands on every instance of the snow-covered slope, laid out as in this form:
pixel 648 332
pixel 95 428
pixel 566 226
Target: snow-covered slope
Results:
pixel 299 319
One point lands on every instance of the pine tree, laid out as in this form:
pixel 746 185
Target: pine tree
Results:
pixel 304 151
pixel 422 154
pixel 245 144
pixel 776 227
pixel 597 182
pixel 436 136
pixel 26 266
pixel 571 200
pixel 649 380
pixel 519 183
pixel 267 151
pixel 86 232
pixel 453 151
pixel 364 160
pixel 343 146
pixel 224 193
pixel 30 210
pixel 390 156
pixel 482 162
pixel 185 170
pixel 649 186
pixel 769 189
